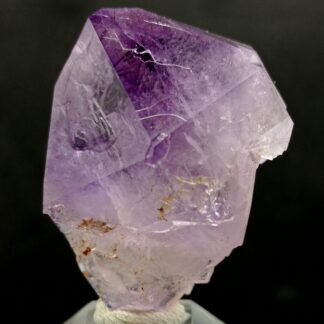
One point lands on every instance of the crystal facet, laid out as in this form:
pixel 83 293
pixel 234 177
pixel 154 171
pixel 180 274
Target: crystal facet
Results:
pixel 157 130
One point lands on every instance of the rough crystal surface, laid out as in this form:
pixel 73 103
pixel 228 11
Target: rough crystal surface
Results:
pixel 157 129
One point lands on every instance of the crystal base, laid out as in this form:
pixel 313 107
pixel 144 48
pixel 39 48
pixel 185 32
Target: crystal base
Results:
pixel 198 315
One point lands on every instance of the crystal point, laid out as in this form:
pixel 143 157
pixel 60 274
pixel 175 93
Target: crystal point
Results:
pixel 156 132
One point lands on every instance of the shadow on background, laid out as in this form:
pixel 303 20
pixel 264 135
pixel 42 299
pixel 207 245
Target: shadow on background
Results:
pixel 276 277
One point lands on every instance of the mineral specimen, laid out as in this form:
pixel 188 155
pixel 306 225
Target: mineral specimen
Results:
pixel 157 129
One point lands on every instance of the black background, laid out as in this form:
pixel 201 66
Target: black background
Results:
pixel 276 277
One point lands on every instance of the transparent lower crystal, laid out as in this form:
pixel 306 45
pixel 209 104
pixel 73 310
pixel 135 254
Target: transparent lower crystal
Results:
pixel 157 130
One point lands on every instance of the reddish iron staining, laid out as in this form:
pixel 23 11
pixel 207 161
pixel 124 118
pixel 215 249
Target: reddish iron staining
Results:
pixel 186 186
pixel 90 223
pixel 161 215
pixel 86 251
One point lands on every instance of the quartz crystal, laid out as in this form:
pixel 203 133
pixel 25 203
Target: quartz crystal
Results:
pixel 156 132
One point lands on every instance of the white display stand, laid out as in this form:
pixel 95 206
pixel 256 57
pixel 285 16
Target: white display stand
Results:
pixel 198 315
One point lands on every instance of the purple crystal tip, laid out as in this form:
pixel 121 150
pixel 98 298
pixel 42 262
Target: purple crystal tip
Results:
pixel 157 130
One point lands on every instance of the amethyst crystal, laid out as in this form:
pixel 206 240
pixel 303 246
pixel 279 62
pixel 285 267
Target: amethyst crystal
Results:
pixel 157 130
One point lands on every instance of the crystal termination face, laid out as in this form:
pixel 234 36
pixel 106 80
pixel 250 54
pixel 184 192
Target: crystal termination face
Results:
pixel 156 132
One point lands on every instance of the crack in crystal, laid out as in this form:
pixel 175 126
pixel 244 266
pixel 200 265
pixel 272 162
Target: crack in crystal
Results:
pixel 163 115
pixel 165 25
pixel 134 50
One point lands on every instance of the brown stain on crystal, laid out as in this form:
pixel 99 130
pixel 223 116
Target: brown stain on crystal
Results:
pixel 86 251
pixel 86 274
pixel 165 207
pixel 161 215
pixel 187 185
pixel 98 225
